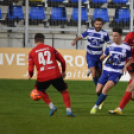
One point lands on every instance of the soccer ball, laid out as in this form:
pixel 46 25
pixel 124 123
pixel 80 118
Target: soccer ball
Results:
pixel 35 95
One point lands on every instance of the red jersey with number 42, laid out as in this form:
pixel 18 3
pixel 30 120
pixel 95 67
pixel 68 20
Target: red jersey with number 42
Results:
pixel 45 58
pixel 130 41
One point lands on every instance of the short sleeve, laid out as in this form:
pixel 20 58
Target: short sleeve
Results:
pixel 84 34
pixel 129 54
pixel 107 39
pixel 127 39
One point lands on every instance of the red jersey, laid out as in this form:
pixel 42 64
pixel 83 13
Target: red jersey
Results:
pixel 130 41
pixel 45 58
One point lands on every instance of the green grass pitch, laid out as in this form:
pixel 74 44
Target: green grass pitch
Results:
pixel 19 114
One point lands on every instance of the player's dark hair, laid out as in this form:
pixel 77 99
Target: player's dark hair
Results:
pixel 39 37
pixel 118 30
pixel 98 19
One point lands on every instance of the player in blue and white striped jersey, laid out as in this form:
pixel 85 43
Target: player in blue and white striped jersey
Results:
pixel 96 38
pixel 117 58
pixel 113 69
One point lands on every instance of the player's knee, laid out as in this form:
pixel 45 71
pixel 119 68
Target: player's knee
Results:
pixel 98 73
pixel 132 99
pixel 93 75
pixel 132 75
pixel 98 90
pixel 92 72
pixel 98 93
pixel 105 92
pixel 130 87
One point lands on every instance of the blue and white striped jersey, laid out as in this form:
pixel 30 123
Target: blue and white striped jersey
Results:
pixel 95 41
pixel 117 57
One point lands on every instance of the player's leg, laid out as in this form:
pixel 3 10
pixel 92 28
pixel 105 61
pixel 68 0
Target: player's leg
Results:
pixel 124 100
pixel 99 89
pixel 131 73
pixel 102 81
pixel 98 92
pixel 132 97
pixel 98 70
pixel 93 72
pixel 61 86
pixel 128 94
pixel 112 80
pixel 41 87
pixel 102 96
pixel 91 66
pixel 98 73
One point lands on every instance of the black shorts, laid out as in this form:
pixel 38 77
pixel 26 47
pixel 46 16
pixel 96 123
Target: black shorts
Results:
pixel 58 83
pixel 131 68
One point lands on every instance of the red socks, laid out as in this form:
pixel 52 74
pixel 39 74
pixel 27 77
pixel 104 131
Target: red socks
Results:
pixel 125 99
pixel 66 98
pixel 65 95
pixel 44 96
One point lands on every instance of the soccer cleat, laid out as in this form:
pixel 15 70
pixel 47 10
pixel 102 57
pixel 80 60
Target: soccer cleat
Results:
pixel 116 111
pixel 52 111
pixel 70 114
pixel 101 105
pixel 88 72
pixel 93 111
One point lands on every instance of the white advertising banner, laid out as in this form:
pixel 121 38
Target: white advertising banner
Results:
pixel 13 64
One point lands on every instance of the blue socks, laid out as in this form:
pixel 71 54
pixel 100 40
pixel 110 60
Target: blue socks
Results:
pixel 95 79
pixel 101 98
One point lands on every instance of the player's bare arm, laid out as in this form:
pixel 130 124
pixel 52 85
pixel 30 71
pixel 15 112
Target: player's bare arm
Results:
pixel 103 57
pixel 63 63
pixel 127 65
pixel 75 40
pixel 63 74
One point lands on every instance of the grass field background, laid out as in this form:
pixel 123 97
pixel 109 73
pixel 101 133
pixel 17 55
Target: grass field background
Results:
pixel 19 114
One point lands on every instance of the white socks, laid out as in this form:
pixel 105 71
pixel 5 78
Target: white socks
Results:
pixel 95 106
pixel 51 105
pixel 119 109
pixel 68 109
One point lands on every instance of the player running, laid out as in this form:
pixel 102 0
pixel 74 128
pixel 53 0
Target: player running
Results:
pixel 118 52
pixel 129 94
pixel 96 38
pixel 45 58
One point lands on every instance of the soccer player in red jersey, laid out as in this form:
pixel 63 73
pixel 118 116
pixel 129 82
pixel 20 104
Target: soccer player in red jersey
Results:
pixel 45 58
pixel 129 94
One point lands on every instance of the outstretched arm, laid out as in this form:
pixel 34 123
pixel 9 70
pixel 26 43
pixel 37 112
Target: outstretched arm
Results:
pixel 75 40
